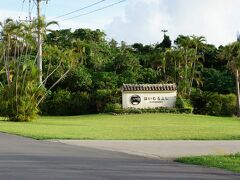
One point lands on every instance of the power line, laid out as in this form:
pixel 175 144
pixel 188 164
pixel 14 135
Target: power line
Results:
pixel 91 5
pixel 96 10
pixel 28 17
pixel 22 7
pixel 45 9
pixel 30 10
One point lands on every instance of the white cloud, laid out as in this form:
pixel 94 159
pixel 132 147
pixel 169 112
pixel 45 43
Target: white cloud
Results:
pixel 217 20
pixel 4 14
pixel 75 24
pixel 143 21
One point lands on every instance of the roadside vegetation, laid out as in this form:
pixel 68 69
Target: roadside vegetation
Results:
pixel 228 162
pixel 128 127
pixel 83 71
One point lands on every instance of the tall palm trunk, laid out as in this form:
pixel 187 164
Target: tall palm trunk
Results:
pixel 175 70
pixel 193 71
pixel 238 93
pixel 186 71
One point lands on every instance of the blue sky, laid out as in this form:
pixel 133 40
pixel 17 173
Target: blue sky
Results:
pixel 143 20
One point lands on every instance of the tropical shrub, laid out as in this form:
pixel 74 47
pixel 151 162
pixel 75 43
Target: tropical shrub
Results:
pixel 218 81
pixel 112 107
pixel 60 102
pixel 182 103
pixel 20 97
pixel 221 105
pixel 64 102
pixel 228 104
pixel 215 104
pixel 104 96
pixel 81 103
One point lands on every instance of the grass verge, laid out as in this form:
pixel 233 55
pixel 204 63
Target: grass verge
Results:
pixel 228 162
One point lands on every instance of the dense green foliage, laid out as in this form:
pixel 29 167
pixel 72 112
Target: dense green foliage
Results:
pixel 228 162
pixel 21 90
pixel 94 85
pixel 213 103
pixel 19 99
pixel 83 71
pixel 140 126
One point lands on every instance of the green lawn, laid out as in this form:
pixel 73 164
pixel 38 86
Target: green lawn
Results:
pixel 229 162
pixel 144 126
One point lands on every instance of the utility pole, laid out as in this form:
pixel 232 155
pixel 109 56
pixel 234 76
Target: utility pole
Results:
pixel 164 31
pixel 39 42
pixel 29 11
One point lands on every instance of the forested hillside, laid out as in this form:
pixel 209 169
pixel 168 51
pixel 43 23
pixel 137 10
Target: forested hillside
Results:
pixel 200 70
pixel 83 71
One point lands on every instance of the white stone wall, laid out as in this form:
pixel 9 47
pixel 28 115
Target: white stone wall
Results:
pixel 143 100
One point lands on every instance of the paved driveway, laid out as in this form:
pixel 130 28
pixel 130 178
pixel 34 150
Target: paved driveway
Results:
pixel 27 159
pixel 162 149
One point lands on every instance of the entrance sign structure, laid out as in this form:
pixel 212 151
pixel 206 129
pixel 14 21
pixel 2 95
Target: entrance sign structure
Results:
pixel 143 96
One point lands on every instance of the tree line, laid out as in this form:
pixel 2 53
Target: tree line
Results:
pixel 83 71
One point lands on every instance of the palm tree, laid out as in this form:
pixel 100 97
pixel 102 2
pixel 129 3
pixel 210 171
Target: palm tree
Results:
pixel 43 25
pixel 20 92
pixel 175 57
pixel 184 44
pixel 232 53
pixel 197 42
pixel 189 46
pixel 80 47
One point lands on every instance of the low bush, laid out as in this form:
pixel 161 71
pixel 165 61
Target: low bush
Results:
pixel 215 104
pixel 111 107
pixel 64 102
pixel 57 103
pixel 156 110
pixel 81 103
pixel 182 103
pixel 102 97
pixel 228 104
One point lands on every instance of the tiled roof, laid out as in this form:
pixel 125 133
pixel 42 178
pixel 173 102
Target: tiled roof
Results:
pixel 149 87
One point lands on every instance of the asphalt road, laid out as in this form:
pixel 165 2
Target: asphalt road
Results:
pixel 27 159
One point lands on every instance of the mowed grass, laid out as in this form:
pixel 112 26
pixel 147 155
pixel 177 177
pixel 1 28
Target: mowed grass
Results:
pixel 228 162
pixel 128 127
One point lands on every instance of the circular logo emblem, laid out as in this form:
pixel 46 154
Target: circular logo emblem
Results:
pixel 135 99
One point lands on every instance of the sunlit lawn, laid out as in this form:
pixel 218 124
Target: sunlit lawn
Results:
pixel 142 126
pixel 229 162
